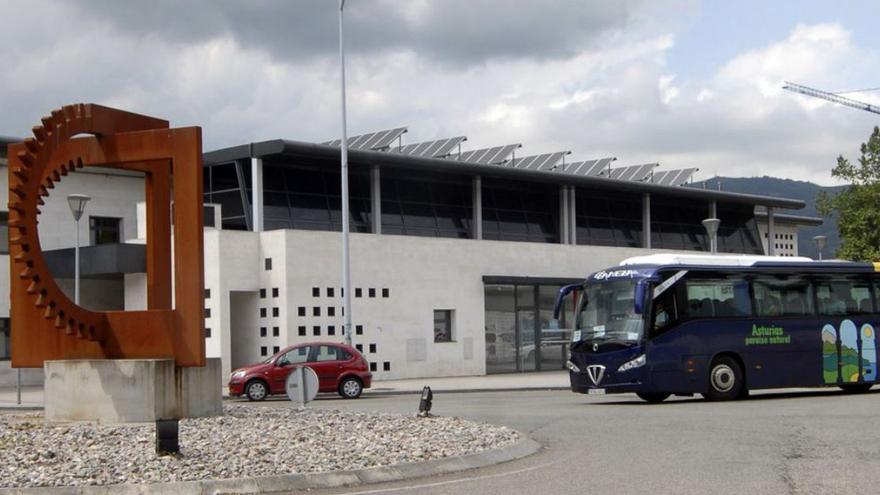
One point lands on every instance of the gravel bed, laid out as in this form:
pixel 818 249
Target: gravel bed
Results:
pixel 246 442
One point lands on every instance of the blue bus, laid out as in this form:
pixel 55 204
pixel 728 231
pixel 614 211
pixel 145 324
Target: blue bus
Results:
pixel 720 326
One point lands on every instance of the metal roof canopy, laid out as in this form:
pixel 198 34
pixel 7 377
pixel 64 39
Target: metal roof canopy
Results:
pixel 540 162
pixel 299 149
pixel 673 177
pixel 378 140
pixel 432 149
pixel 488 156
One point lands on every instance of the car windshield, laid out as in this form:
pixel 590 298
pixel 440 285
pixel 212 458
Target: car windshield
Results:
pixel 606 312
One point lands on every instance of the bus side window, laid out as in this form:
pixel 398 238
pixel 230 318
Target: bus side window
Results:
pixel 841 296
pixel 782 295
pixel 665 312
pixel 725 298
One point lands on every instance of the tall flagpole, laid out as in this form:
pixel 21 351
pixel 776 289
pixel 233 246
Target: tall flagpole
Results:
pixel 343 147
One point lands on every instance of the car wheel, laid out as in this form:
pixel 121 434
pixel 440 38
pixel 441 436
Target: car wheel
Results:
pixel 725 379
pixel 256 390
pixel 653 398
pixel 856 388
pixel 350 388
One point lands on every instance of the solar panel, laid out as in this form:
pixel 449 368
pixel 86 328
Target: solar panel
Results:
pixel 633 172
pixel 587 168
pixel 545 161
pixel 433 149
pixel 487 156
pixel 673 177
pixel 380 140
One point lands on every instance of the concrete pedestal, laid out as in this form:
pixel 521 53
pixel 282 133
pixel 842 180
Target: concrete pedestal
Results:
pixel 130 390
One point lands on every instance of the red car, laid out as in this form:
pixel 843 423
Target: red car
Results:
pixel 340 368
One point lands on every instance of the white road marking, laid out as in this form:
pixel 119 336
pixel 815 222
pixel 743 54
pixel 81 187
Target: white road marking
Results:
pixel 451 482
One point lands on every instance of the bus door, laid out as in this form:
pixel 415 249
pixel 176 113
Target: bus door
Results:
pixel 844 307
pixel 666 350
pixel 782 344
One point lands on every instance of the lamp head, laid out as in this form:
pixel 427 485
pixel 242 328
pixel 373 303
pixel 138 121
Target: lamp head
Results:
pixel 711 225
pixel 820 241
pixel 77 203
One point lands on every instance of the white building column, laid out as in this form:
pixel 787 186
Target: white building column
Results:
pixel 376 199
pixel 646 221
pixel 477 193
pixel 771 233
pixel 563 214
pixel 257 195
pixel 572 217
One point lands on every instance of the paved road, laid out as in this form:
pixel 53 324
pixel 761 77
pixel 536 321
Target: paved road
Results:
pixel 776 442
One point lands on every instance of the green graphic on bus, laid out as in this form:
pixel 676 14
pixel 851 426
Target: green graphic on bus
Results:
pixel 849 352
pixel 829 354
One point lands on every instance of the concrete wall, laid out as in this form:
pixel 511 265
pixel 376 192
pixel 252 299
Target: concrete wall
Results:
pixel 786 237
pixel 421 274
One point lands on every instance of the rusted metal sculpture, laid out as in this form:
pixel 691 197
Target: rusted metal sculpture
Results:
pixel 46 324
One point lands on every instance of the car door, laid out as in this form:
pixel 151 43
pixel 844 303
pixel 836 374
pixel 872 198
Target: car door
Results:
pixel 284 365
pixel 326 365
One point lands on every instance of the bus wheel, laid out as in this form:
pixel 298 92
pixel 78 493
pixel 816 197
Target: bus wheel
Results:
pixel 856 388
pixel 725 379
pixel 653 398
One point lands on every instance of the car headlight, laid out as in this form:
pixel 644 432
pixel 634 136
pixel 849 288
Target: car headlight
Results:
pixel 573 367
pixel 635 363
pixel 237 374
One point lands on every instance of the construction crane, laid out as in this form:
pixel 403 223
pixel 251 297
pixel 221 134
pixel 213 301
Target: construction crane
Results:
pixel 832 97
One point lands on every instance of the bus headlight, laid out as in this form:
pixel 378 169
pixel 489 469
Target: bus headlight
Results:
pixel 573 367
pixel 635 363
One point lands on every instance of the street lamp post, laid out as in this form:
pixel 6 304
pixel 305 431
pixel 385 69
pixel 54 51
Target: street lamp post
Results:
pixel 820 243
pixel 343 146
pixel 711 225
pixel 77 203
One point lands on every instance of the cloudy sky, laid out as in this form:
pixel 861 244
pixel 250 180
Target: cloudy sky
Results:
pixel 680 82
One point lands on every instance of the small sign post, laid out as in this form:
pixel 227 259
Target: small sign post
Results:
pixel 302 385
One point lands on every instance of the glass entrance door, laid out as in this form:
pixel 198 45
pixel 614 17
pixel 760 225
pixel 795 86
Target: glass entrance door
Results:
pixel 501 341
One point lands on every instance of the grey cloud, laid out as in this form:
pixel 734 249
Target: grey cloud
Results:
pixel 456 32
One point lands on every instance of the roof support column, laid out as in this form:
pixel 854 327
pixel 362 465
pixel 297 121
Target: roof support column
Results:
pixel 242 189
pixel 257 195
pixel 771 233
pixel 572 199
pixel 646 221
pixel 477 222
pixel 563 214
pixel 376 199
pixel 713 213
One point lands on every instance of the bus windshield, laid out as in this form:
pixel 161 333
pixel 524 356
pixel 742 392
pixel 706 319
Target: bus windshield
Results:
pixel 606 312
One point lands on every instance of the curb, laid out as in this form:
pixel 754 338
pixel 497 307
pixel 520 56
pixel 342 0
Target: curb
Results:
pixel 285 483
pixel 466 390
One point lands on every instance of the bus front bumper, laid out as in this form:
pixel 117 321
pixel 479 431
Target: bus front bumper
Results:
pixel 581 383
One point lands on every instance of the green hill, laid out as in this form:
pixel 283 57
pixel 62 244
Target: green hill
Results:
pixel 787 188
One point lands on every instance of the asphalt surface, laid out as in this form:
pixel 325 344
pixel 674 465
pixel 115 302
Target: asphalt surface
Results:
pixel 776 442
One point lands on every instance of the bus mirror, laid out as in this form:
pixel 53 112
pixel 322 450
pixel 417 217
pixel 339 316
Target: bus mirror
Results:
pixel 639 297
pixel 560 297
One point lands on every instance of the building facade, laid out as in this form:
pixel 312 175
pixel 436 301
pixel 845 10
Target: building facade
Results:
pixel 455 261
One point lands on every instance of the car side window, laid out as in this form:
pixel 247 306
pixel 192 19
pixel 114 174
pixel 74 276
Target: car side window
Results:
pixel 342 354
pixel 325 353
pixel 299 355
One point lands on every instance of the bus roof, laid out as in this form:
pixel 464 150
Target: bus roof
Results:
pixel 743 261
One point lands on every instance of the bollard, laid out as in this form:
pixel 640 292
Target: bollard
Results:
pixel 18 385
pixel 167 437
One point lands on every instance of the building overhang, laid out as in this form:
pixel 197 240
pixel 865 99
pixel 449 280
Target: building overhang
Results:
pixel 362 158
pixel 99 261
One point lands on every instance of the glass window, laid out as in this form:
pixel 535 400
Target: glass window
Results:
pixel 223 177
pixel 342 354
pixel 841 296
pixel 5 352
pixel 297 355
pixel 718 298
pixel 4 232
pixel 105 230
pixel 783 296
pixel 442 325
pixel 326 353
pixel 518 211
